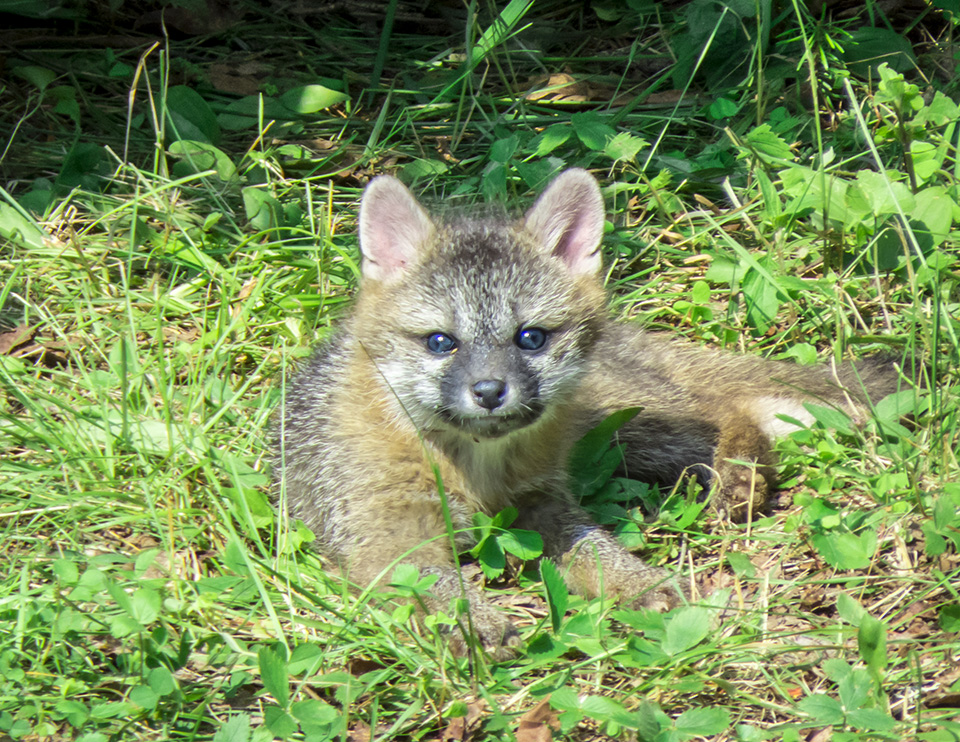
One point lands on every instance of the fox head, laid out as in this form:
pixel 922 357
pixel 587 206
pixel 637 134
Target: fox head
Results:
pixel 480 326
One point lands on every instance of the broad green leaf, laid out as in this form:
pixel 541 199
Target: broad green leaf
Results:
pixel 523 544
pixel 741 564
pixel 769 146
pixel 263 210
pixel 685 629
pixel 850 610
pixel 871 720
pixel 503 149
pixel 895 406
pixel 555 592
pixel 703 722
pixel 935 208
pixel 591 130
pixel 950 617
pixel 311 98
pixel 868 45
pixel 823 708
pixel 603 708
pixel 74 712
pixel 189 116
pixel 17 227
pixel 314 711
pixel 490 557
pixel 39 77
pixel 273 675
pixel 722 108
pixel 145 605
pixel 552 137
pixel 235 729
pixel 196 157
pixel 624 146
pixel 829 417
pixel 872 642
pixel 885 195
pixel 279 722
pixel 843 550
pixel 161 680
pixel 145 697
pixel 418 169
pixel 700 292
pixel 305 659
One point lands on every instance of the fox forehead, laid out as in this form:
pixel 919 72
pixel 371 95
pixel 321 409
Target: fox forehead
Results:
pixel 482 284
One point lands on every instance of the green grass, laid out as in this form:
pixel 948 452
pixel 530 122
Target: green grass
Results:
pixel 163 297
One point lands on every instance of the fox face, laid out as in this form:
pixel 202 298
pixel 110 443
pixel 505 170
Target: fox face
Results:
pixel 480 327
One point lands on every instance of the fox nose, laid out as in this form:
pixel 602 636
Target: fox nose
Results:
pixel 489 393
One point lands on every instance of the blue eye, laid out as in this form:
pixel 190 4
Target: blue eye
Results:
pixel 439 343
pixel 530 338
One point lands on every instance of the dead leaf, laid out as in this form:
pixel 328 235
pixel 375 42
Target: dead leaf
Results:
pixel 17 336
pixel 461 728
pixel 229 79
pixel 358 666
pixel 538 724
pixel 359 732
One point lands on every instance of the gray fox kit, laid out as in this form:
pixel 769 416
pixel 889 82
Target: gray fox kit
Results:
pixel 484 348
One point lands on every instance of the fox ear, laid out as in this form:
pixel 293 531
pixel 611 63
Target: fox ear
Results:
pixel 567 220
pixel 393 228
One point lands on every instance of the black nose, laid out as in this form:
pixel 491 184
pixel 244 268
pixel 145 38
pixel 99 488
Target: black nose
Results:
pixel 489 393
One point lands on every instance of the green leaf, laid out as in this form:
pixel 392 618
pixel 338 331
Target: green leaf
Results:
pixel 770 147
pixel 844 550
pixel 418 169
pixel 273 675
pixel 145 697
pixel 624 146
pixel 850 610
pixel 311 98
pixel 189 116
pixel 867 45
pixel 522 544
pixel 823 708
pixel 829 417
pixel 702 722
pixel 602 708
pixel 591 130
pixel 950 617
pixel 279 722
pixel 871 720
pixel 503 149
pixel 490 557
pixel 306 659
pixel 872 642
pixel 552 137
pixel 685 629
pixel 39 77
pixel 161 680
pixel 314 711
pixel 235 729
pixel 722 108
pixel 555 592
pixel 195 157
pixel 263 210
pixel 17 227
pixel 74 712
pixel 145 605
pixel 592 448
pixel 740 563
pixel 935 208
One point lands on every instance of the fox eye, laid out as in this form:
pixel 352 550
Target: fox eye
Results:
pixel 530 338
pixel 440 344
